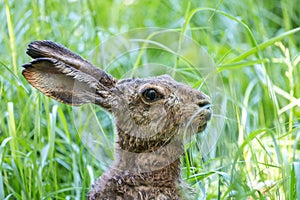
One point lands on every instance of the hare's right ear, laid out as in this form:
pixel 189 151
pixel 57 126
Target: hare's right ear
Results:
pixel 66 77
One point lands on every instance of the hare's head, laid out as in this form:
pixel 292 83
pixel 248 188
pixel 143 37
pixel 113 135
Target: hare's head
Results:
pixel 157 109
pixel 149 112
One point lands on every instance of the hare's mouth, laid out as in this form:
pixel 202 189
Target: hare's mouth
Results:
pixel 202 127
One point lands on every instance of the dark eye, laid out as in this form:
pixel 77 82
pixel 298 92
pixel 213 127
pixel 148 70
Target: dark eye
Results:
pixel 151 94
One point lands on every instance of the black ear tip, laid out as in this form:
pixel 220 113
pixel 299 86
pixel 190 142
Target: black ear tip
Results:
pixel 32 49
pixel 48 48
pixel 47 44
pixel 33 45
pixel 27 65
pixel 28 51
pixel 40 43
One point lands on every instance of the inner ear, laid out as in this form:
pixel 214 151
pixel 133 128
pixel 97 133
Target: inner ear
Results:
pixel 65 83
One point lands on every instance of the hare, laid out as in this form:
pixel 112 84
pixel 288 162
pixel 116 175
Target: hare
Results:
pixel 152 115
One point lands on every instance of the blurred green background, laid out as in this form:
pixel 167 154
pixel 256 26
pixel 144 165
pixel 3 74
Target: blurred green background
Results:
pixel 255 45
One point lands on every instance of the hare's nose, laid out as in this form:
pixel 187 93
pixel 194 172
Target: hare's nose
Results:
pixel 204 104
pixel 203 101
pixel 206 108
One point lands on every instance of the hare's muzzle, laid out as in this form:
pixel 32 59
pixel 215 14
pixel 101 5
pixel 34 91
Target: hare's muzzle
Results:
pixel 205 113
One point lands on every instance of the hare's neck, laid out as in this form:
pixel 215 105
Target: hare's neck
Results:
pixel 140 155
pixel 129 142
pixel 168 176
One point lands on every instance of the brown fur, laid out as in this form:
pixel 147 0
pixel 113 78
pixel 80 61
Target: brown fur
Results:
pixel 152 117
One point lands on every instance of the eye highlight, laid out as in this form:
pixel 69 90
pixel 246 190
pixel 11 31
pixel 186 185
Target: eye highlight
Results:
pixel 151 95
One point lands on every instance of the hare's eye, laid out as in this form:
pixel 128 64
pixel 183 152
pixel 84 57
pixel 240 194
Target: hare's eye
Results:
pixel 151 95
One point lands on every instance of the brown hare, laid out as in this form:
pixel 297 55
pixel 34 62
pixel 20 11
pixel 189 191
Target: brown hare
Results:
pixel 152 116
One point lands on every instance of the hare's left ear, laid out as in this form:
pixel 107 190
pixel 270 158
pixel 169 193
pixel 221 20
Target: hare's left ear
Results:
pixel 66 77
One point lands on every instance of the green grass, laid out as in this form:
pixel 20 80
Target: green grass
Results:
pixel 255 45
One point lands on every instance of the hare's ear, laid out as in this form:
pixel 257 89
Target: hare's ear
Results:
pixel 64 76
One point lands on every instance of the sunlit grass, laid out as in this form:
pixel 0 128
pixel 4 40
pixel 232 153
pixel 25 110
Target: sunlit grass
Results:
pixel 255 46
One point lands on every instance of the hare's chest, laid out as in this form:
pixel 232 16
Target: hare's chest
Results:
pixel 133 188
pixel 149 193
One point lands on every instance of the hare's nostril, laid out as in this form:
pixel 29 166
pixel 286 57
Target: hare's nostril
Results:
pixel 204 104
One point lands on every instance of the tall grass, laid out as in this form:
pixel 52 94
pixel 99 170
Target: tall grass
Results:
pixel 255 45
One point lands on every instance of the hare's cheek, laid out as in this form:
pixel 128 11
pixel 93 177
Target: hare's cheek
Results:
pixel 140 117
